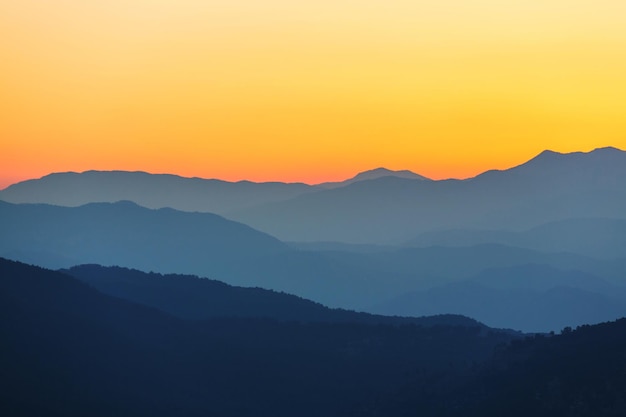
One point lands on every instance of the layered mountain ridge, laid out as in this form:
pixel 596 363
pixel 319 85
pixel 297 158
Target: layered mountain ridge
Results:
pixel 70 350
pixel 363 245
pixel 203 244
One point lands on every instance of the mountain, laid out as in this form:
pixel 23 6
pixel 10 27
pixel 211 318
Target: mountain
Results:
pixel 602 167
pixel 126 234
pixel 596 237
pixel 74 189
pixel 375 207
pixel 203 244
pixel 207 245
pixel 390 210
pixel 384 172
pixel 149 190
pixel 530 298
pixel 576 373
pixel 190 297
pixel 69 350
pixel 375 174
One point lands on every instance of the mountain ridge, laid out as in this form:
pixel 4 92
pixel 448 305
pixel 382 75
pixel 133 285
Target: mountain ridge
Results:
pixel 595 237
pixel 373 174
pixel 192 297
pixel 362 175
pixel 201 244
pixel 70 350
pixel 382 209
pixel 531 298
pixel 388 210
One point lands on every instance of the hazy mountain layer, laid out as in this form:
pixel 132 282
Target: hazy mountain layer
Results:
pixel 149 190
pixel 531 298
pixel 207 245
pixel 164 190
pixel 378 206
pixel 372 175
pixel 203 244
pixel 548 188
pixel 601 238
pixel 127 234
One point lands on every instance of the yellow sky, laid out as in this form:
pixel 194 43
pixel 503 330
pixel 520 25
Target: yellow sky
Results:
pixel 306 90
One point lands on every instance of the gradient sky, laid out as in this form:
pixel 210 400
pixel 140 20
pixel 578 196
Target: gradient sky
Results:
pixel 306 90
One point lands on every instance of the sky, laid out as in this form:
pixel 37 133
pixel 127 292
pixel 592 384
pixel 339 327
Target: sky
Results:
pixel 306 90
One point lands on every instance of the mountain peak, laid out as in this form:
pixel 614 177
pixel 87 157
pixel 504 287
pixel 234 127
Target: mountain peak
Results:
pixel 607 150
pixel 549 152
pixel 384 172
pixel 373 174
pixel 549 157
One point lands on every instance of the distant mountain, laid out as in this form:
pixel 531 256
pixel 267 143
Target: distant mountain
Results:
pixel 149 190
pixel 601 168
pixel 384 172
pixel 597 237
pixel 126 234
pixel 531 298
pixel 190 297
pixel 550 187
pixel 375 207
pixel 207 245
pixel 344 247
pixel 69 350
pixel 375 174
pixel 73 189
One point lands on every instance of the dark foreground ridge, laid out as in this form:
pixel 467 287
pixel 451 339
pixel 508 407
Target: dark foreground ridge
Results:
pixel 191 297
pixel 70 350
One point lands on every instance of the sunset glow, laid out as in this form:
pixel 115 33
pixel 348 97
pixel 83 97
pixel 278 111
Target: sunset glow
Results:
pixel 306 91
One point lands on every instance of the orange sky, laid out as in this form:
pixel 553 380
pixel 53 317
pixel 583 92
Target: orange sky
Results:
pixel 306 90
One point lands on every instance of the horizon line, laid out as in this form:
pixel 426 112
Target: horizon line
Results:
pixel 13 180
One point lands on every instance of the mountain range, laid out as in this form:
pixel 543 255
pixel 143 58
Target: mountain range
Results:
pixel 385 294
pixel 537 298
pixel 71 350
pixel 375 207
pixel 387 242
pixel 595 237
pixel 391 210
pixel 170 241
pixel 194 298
pixel 165 190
